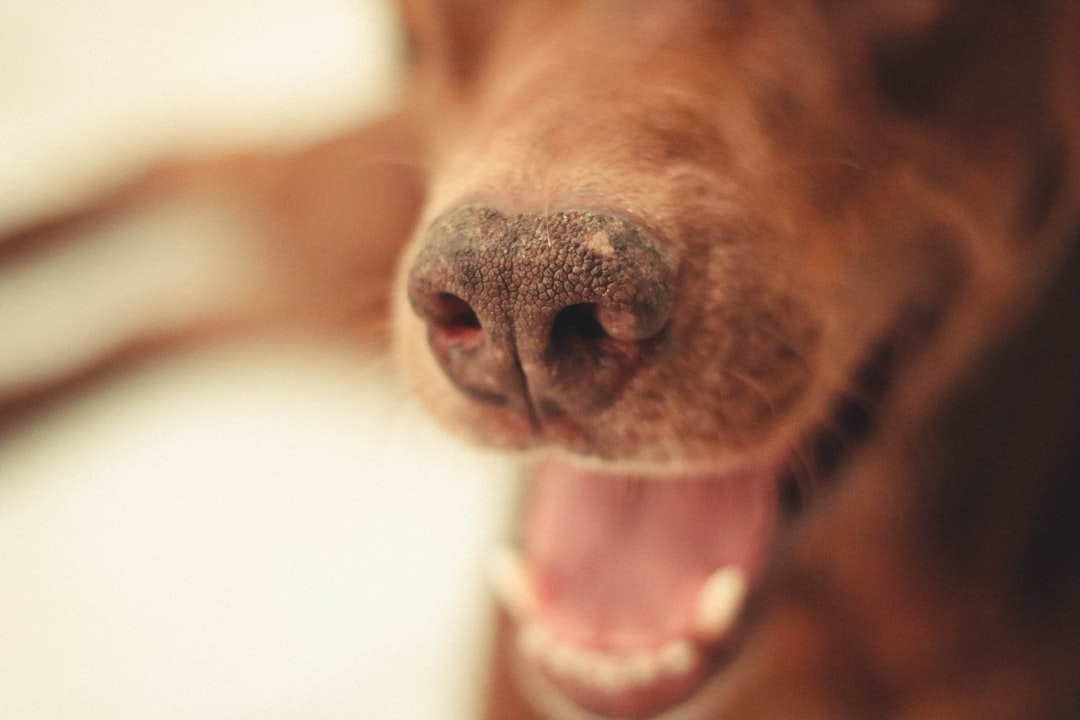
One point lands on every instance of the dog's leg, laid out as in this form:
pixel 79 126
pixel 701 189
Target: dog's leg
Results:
pixel 192 253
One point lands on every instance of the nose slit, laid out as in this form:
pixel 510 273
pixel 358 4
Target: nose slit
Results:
pixel 545 314
pixel 455 319
pixel 578 321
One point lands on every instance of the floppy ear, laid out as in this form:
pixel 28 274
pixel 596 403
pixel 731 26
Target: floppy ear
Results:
pixel 942 578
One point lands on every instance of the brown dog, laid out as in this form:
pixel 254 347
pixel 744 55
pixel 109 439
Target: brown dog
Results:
pixel 779 305
pixel 689 256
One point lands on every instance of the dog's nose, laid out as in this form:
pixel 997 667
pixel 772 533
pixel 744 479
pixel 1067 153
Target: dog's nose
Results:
pixel 548 314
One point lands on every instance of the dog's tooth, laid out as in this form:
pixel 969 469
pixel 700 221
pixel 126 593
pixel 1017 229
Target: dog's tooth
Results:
pixel 567 661
pixel 509 580
pixel 563 659
pixel 719 602
pixel 641 668
pixel 610 672
pixel 614 673
pixel 606 673
pixel 676 658
pixel 533 642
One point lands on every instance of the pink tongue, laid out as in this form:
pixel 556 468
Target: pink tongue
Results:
pixel 618 561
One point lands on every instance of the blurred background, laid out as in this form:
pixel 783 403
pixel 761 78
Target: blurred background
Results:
pixel 204 512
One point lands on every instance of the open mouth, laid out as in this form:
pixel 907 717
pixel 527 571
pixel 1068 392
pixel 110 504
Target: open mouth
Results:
pixel 626 591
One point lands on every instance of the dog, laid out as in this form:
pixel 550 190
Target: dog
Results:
pixel 733 278
pixel 774 302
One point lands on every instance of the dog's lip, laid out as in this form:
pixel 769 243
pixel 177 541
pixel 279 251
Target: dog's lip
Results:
pixel 623 588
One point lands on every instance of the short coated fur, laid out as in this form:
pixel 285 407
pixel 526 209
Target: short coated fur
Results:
pixel 853 208
pixel 826 247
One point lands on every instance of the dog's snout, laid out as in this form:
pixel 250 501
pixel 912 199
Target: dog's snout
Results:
pixel 547 313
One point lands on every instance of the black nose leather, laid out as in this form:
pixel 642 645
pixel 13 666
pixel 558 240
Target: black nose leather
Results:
pixel 545 313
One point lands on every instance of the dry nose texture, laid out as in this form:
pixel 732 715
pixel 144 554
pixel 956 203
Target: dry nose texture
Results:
pixel 544 313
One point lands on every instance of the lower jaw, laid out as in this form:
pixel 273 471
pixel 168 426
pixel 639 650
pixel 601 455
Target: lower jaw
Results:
pixel 580 680
pixel 556 700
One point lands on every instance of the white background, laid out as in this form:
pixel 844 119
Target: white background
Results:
pixel 250 531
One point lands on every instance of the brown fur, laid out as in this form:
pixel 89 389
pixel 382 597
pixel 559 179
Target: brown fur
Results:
pixel 831 183
pixel 805 205
pixel 942 582
pixel 825 177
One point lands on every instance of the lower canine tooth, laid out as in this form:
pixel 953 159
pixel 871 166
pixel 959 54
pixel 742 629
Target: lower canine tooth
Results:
pixel 719 602
pixel 532 642
pixel 510 582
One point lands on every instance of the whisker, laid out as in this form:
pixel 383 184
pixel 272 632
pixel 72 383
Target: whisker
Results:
pixel 796 481
pixel 809 162
pixel 365 163
pixel 545 227
pixel 753 386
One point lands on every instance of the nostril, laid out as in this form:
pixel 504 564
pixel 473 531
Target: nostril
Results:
pixel 585 366
pixel 578 335
pixel 576 323
pixel 453 322
pixel 452 314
